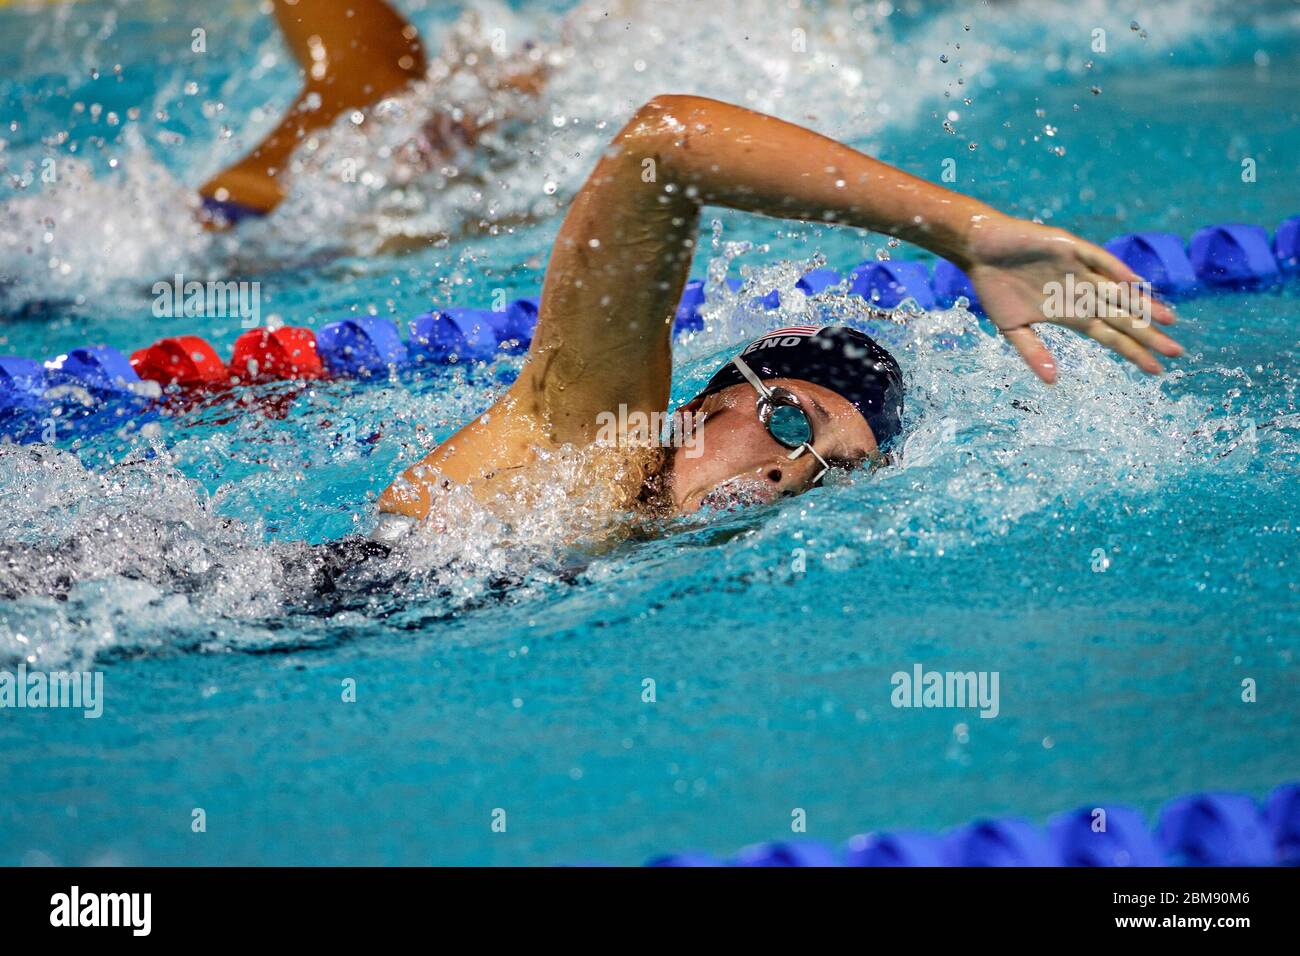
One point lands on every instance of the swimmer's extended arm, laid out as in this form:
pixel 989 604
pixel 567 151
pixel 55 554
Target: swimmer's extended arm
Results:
pixel 620 261
pixel 352 53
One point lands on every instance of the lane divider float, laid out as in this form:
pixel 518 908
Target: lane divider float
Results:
pixel 1226 256
pixel 1204 829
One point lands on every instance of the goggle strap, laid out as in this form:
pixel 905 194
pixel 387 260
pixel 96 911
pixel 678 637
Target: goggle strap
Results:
pixel 750 377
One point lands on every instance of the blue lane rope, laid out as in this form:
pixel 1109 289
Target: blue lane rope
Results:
pixel 1206 829
pixel 1226 256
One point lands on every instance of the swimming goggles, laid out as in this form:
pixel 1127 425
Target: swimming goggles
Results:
pixel 784 418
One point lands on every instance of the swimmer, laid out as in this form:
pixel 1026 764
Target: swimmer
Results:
pixel 791 405
pixel 775 419
pixel 352 53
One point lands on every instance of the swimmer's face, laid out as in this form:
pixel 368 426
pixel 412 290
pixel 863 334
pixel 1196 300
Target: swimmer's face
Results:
pixel 731 459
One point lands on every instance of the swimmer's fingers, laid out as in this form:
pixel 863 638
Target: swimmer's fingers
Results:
pixel 1125 311
pixel 1161 313
pixel 1141 301
pixel 1125 345
pixel 1033 351
pixel 1113 268
pixel 1136 326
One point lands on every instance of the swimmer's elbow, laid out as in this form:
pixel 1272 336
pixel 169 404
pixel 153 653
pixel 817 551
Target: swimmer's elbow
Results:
pixel 405 497
pixel 674 103
pixel 678 128
pixel 662 119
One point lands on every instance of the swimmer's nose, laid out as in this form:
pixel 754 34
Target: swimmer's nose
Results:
pixel 788 480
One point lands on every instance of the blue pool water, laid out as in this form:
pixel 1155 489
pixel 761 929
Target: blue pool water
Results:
pixel 771 635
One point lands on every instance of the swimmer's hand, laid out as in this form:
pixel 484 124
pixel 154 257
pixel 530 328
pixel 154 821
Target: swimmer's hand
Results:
pixel 1025 273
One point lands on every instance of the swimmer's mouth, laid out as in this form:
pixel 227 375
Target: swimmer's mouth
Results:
pixel 736 493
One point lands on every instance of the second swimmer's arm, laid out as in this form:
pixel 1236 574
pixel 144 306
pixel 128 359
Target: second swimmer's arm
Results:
pixel 352 53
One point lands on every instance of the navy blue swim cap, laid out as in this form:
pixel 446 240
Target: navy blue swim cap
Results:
pixel 844 360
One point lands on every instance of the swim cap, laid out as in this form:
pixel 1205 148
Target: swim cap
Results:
pixel 836 357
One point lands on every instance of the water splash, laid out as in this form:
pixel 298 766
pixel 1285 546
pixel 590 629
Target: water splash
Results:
pixel 365 186
pixel 187 543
